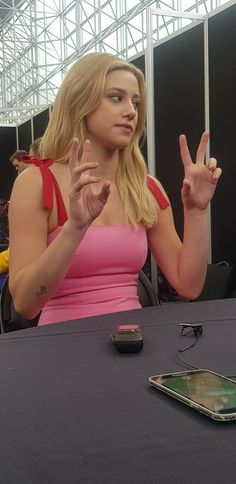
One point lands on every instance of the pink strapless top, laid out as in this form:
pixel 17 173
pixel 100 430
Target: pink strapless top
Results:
pixel 103 275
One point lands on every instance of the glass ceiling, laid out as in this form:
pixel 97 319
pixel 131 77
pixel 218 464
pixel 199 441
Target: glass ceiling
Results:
pixel 40 39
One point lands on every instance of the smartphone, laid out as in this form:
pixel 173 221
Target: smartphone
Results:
pixel 204 390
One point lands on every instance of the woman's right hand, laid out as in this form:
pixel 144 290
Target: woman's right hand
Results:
pixel 85 204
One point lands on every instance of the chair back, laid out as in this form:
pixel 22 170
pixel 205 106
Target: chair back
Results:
pixel 9 319
pixel 218 282
pixel 146 292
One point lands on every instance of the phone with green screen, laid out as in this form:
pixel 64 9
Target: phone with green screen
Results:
pixel 203 390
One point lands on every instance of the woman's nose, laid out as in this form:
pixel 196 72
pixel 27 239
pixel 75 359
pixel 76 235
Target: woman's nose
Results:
pixel 130 110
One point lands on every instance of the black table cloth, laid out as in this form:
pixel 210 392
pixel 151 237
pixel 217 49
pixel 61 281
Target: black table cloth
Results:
pixel 74 410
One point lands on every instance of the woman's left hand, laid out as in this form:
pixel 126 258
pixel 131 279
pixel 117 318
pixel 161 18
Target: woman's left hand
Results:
pixel 200 179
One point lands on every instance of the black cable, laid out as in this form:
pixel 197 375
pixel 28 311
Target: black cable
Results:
pixel 179 351
pixel 197 331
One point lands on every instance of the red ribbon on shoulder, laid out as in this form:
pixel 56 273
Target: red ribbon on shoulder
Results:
pixel 163 202
pixel 36 161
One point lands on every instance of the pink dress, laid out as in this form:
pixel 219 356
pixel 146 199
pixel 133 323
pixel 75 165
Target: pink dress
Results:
pixel 103 274
pixel 102 277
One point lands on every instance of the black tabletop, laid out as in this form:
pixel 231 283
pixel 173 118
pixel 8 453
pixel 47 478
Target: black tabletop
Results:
pixel 74 410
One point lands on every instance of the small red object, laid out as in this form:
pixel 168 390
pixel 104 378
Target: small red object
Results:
pixel 128 327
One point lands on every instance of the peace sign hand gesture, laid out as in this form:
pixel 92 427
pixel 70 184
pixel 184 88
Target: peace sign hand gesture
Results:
pixel 85 204
pixel 200 180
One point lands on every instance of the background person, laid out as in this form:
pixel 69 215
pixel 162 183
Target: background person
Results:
pixel 17 160
pixel 4 265
pixel 79 252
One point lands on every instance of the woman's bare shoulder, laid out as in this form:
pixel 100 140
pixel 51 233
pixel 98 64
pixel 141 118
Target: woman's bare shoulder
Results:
pixel 29 176
pixel 27 188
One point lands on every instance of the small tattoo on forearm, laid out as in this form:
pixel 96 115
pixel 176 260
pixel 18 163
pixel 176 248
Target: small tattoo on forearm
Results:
pixel 41 291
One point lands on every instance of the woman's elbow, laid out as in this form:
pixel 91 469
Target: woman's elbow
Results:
pixel 190 293
pixel 21 306
pixel 24 312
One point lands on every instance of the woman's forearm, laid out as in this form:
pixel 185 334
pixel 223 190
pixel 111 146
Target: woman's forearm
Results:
pixel 192 263
pixel 35 284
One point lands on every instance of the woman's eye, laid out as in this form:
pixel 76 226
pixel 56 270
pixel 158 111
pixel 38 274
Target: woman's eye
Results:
pixel 136 104
pixel 116 97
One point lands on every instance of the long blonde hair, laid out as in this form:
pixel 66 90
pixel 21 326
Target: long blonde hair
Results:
pixel 80 94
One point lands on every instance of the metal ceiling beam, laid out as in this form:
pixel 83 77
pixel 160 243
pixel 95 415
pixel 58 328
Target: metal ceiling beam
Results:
pixel 40 39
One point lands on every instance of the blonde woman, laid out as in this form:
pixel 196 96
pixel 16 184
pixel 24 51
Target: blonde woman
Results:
pixel 81 223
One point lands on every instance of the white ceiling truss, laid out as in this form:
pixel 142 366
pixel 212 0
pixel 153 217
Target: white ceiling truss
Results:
pixel 40 39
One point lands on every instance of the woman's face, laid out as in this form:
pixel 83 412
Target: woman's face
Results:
pixel 113 123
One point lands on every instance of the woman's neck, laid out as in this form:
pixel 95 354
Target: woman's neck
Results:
pixel 108 162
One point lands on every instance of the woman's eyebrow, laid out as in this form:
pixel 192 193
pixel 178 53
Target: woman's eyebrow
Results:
pixel 121 91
